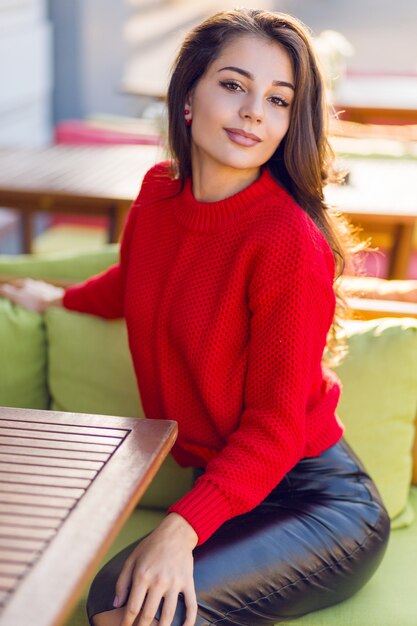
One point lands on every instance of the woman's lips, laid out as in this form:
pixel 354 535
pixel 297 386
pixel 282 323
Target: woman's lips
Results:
pixel 241 138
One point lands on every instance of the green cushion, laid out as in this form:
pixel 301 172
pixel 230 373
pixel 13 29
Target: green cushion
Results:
pixel 74 266
pixel 388 598
pixel 96 376
pixel 379 404
pixel 90 369
pixel 22 358
pixel 71 238
pixel 169 485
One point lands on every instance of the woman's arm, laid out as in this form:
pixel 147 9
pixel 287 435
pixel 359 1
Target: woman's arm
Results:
pixel 101 295
pixel 34 295
pixel 161 566
pixel 290 320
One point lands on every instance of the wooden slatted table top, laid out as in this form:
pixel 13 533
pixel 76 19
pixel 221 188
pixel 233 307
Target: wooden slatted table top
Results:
pixel 110 173
pixel 68 482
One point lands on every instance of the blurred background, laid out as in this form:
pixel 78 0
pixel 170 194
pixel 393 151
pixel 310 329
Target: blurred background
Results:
pixel 93 72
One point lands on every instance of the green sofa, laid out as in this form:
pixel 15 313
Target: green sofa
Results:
pixel 72 362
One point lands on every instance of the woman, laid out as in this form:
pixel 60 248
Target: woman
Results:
pixel 226 282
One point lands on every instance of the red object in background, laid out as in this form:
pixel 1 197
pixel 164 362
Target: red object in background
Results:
pixel 78 132
pixel 87 221
pixel 83 133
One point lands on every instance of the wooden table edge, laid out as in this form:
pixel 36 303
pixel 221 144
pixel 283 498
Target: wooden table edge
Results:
pixel 43 572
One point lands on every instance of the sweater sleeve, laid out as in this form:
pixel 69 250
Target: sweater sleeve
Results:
pixel 289 324
pixel 103 294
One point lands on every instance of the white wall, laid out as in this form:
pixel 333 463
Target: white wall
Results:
pixel 89 56
pixel 25 73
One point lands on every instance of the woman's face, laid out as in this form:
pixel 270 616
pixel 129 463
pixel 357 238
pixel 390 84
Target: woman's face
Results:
pixel 240 107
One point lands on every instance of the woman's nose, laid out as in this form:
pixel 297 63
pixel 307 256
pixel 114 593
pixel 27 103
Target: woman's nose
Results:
pixel 252 109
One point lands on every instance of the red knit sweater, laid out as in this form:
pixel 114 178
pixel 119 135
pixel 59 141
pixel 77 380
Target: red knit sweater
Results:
pixel 227 306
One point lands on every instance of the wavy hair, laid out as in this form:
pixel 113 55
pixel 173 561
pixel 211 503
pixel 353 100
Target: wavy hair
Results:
pixel 303 162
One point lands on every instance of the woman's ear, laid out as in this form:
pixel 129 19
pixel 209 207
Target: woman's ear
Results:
pixel 188 111
pixel 188 102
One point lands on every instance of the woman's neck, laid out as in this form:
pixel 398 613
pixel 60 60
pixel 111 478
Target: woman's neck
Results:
pixel 212 183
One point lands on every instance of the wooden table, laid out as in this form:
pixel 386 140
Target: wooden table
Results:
pixel 104 181
pixel 382 195
pixel 377 99
pixel 68 482
pixel 87 180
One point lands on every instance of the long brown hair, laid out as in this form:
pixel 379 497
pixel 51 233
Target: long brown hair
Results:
pixel 303 161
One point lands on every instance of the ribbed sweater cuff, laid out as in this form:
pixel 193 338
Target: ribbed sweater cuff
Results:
pixel 205 508
pixel 69 300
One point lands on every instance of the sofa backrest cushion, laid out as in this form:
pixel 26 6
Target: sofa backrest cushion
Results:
pixel 90 371
pixel 23 366
pixel 60 266
pixel 379 404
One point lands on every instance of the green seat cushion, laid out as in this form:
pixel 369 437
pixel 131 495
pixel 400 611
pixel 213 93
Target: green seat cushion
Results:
pixel 388 598
pixel 23 369
pixel 379 404
pixel 72 266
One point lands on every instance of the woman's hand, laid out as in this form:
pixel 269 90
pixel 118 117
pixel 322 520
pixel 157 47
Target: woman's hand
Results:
pixel 161 566
pixel 34 295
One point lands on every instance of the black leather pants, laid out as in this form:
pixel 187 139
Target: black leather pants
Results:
pixel 313 542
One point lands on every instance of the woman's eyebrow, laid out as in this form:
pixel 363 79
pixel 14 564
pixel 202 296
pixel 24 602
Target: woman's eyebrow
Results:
pixel 239 70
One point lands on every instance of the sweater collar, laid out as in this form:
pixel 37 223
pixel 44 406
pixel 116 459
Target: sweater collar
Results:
pixel 206 216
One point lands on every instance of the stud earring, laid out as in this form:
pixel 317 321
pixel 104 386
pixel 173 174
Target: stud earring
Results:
pixel 187 121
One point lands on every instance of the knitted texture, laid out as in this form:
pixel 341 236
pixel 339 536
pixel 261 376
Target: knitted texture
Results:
pixel 227 306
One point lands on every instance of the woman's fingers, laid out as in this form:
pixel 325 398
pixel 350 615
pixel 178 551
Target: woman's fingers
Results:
pixel 150 606
pixel 135 604
pixel 144 602
pixel 17 282
pixel 158 569
pixel 7 289
pixel 191 605
pixel 123 584
pixel 24 282
pixel 16 295
pixel 35 295
pixel 168 610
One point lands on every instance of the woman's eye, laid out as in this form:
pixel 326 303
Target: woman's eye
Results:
pixel 231 85
pixel 279 101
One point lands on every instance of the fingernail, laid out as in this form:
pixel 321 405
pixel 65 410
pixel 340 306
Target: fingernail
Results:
pixel 116 601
